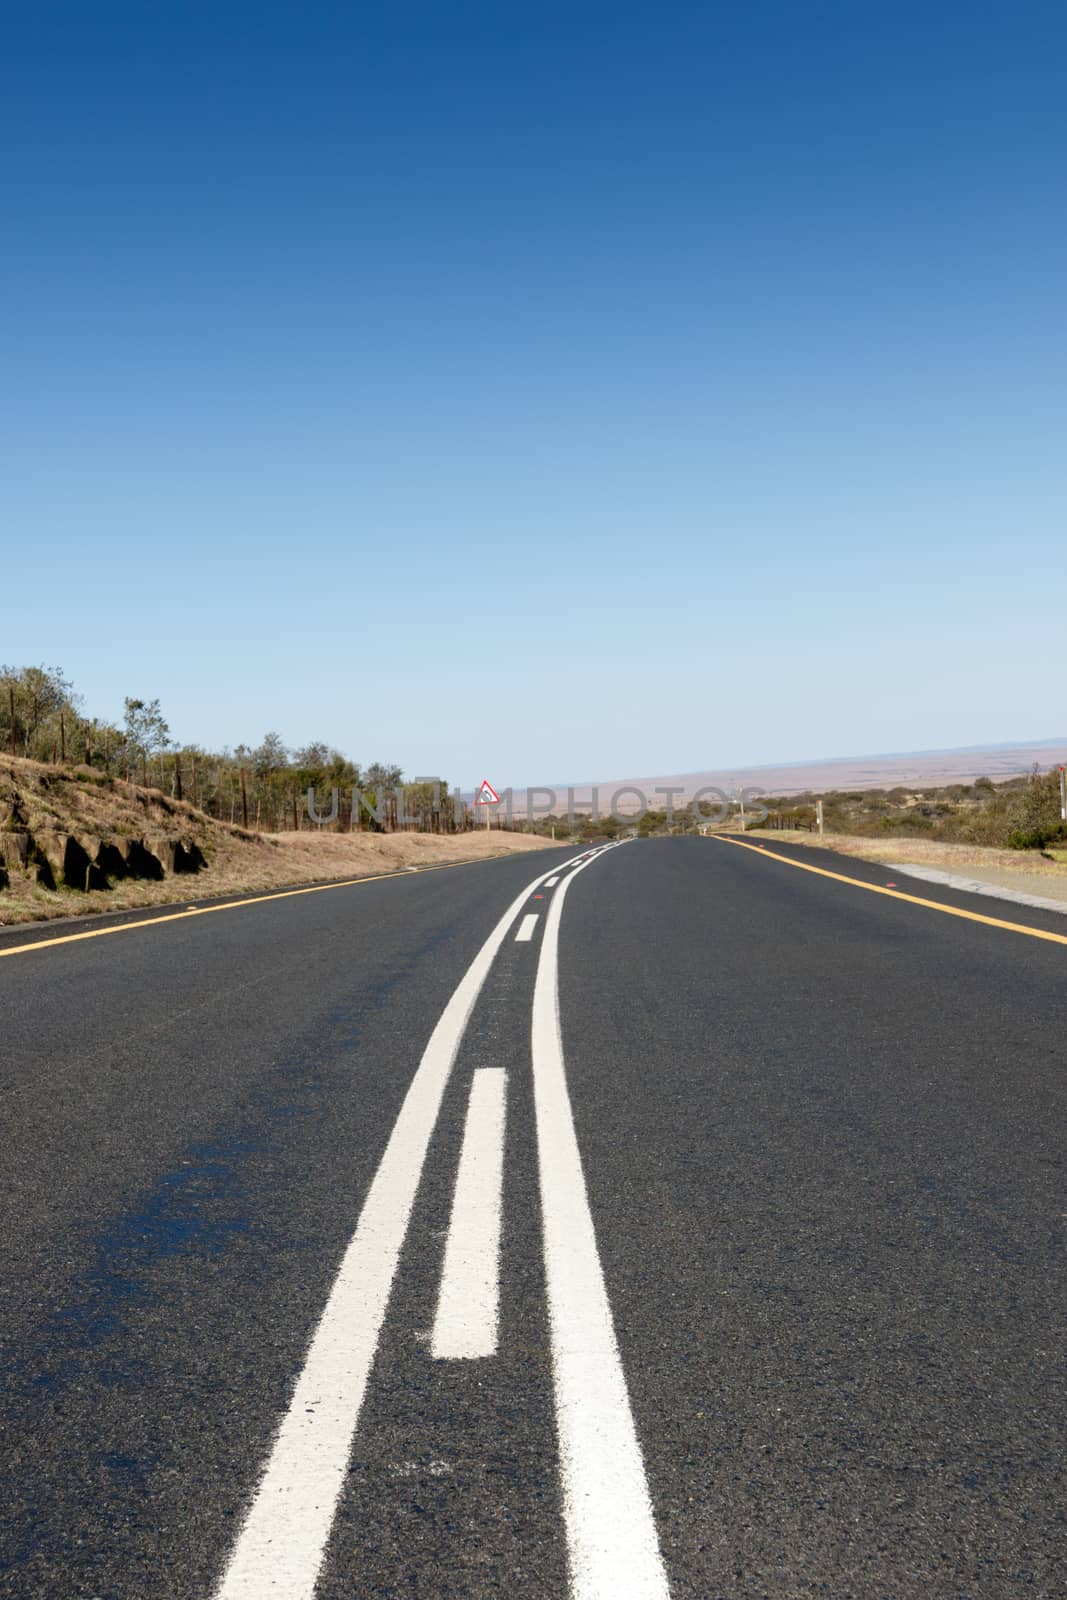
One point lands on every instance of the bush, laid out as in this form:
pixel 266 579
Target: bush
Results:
pixel 909 822
pixel 1035 838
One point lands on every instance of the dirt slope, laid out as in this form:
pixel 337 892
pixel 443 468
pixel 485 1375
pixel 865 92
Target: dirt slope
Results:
pixel 74 841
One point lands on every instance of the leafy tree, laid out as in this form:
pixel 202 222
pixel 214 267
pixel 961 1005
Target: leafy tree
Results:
pixel 271 756
pixel 313 756
pixel 40 697
pixel 147 730
pixel 379 775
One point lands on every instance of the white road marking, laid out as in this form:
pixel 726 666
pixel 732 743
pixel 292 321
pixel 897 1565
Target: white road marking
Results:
pixel 526 928
pixel 550 883
pixel 465 1326
pixel 279 1550
pixel 611 1531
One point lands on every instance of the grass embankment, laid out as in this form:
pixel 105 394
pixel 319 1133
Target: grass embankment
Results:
pixel 46 804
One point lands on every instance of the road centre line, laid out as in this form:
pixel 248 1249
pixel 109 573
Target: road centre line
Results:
pixel 611 1532
pixel 465 1326
pixel 897 894
pixel 525 930
pixel 279 1550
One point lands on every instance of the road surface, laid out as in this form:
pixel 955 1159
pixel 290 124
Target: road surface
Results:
pixel 680 1218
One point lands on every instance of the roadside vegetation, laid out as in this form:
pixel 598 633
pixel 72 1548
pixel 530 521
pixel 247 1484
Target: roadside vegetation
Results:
pixel 1005 826
pixel 96 816
pixel 262 787
pixel 1020 814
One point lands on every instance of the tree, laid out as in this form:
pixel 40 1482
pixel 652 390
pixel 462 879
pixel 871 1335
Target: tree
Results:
pixel 312 756
pixel 380 775
pixel 147 730
pixel 40 697
pixel 271 757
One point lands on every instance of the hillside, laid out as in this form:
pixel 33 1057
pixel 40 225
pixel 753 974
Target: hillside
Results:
pixel 917 769
pixel 73 840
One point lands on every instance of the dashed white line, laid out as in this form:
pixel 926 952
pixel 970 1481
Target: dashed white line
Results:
pixel 550 883
pixel 465 1326
pixel 526 927
pixel 279 1550
pixel 611 1531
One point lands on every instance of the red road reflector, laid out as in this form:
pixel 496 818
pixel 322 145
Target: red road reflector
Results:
pixel 890 885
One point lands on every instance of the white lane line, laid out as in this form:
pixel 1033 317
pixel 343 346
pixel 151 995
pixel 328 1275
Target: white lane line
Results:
pixel 465 1326
pixel 279 1550
pixel 525 930
pixel 550 883
pixel 611 1531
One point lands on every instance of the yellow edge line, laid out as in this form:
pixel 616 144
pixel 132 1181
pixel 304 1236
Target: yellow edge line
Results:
pixel 228 905
pixel 898 894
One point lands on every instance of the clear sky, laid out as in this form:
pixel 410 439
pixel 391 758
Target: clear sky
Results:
pixel 548 392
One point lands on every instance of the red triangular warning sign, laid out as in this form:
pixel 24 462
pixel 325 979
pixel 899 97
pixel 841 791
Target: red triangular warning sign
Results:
pixel 487 795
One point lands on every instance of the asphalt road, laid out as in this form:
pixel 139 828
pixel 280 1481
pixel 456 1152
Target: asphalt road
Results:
pixel 702 1236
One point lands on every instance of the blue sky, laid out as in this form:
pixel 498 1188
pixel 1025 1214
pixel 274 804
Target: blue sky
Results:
pixel 558 392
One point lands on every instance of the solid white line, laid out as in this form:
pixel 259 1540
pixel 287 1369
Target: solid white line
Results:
pixel 526 927
pixel 279 1550
pixel 611 1531
pixel 466 1322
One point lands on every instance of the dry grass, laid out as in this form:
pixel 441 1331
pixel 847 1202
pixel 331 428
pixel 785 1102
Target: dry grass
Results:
pixel 271 863
pixel 82 802
pixel 970 860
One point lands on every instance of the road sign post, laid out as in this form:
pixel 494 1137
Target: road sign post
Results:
pixel 486 796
